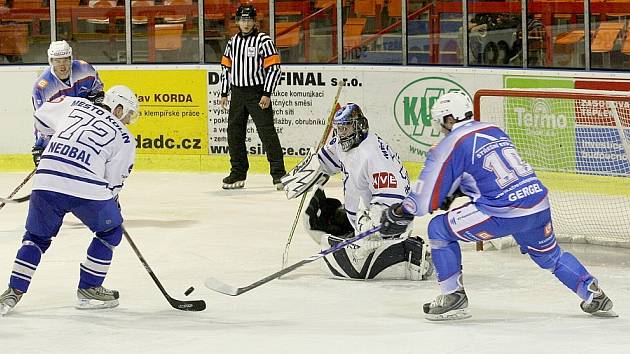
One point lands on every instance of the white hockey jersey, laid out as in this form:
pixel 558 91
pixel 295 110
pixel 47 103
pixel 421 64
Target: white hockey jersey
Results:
pixel 90 153
pixel 372 172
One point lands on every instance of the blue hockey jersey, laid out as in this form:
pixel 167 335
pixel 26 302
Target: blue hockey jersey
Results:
pixel 84 82
pixel 481 160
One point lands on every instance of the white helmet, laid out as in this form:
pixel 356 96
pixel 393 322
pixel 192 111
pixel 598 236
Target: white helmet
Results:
pixel 123 96
pixel 455 104
pixel 59 49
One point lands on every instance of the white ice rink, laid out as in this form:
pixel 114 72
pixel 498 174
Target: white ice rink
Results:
pixel 189 229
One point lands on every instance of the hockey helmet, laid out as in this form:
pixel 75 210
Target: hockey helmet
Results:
pixel 350 126
pixel 59 49
pixel 123 96
pixel 456 104
pixel 246 12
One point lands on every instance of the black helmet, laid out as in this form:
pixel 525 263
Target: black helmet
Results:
pixel 246 12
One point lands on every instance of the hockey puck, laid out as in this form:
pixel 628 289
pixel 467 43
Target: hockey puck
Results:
pixel 190 290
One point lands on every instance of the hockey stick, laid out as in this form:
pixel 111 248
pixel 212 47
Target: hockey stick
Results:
pixel 322 141
pixel 193 305
pixel 15 200
pixel 3 202
pixel 219 286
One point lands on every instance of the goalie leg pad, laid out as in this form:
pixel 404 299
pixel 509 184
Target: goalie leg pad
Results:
pixel 419 262
pixel 389 259
pixel 304 176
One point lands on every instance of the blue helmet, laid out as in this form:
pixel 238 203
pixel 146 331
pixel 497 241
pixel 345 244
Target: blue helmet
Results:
pixel 351 126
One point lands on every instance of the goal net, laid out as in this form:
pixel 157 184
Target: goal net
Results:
pixel 578 141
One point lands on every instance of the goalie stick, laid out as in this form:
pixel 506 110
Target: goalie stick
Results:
pixel 221 287
pixel 192 305
pixel 26 179
pixel 322 141
pixel 15 200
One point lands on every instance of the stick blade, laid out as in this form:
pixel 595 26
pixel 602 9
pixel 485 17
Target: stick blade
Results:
pixel 194 305
pixel 220 287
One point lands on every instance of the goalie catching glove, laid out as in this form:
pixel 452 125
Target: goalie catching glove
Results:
pixel 304 176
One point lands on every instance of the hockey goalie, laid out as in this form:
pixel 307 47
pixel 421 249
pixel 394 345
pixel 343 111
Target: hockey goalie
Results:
pixel 373 179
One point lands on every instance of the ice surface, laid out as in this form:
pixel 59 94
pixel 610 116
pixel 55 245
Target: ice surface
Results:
pixel 188 228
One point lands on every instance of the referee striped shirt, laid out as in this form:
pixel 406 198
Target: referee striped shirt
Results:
pixel 250 60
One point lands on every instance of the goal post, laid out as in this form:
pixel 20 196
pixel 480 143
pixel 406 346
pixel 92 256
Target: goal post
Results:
pixel 578 141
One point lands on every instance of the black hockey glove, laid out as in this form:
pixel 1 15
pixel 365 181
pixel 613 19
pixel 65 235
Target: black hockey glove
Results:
pixel 393 224
pixel 97 98
pixel 37 152
pixel 446 204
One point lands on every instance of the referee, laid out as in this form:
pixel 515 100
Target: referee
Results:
pixel 251 68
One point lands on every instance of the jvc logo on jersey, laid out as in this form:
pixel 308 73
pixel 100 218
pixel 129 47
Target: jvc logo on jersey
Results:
pixel 384 180
pixel 412 110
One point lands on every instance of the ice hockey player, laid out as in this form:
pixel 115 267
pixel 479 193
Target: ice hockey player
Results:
pixel 64 77
pixel 82 170
pixel 373 179
pixel 479 160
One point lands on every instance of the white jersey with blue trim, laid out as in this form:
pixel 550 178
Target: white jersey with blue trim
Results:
pixel 372 173
pixel 90 153
pixel 83 82
pixel 481 160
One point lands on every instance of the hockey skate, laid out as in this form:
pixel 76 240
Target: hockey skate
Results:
pixel 9 299
pixel 600 305
pixel 445 307
pixel 233 182
pixel 96 298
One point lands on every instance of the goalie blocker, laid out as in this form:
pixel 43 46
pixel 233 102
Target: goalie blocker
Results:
pixel 304 176
pixel 374 258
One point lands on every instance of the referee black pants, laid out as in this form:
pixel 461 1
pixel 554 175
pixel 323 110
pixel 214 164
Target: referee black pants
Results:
pixel 244 103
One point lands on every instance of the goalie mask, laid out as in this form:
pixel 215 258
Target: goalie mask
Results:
pixel 122 96
pixel 456 105
pixel 350 126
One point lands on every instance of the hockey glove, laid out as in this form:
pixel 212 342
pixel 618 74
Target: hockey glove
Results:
pixel 37 152
pixel 97 98
pixel 393 224
pixel 446 204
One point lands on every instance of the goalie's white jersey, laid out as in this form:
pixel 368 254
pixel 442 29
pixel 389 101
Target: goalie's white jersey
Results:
pixel 372 173
pixel 90 153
